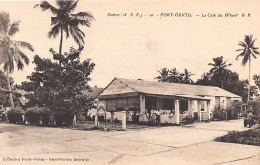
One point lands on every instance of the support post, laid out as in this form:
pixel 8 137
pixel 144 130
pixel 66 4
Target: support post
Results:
pixel 195 105
pixel 205 117
pixel 177 111
pixel 199 110
pixel 208 108
pixel 124 120
pixel 142 108
pixel 96 120
pixel 190 107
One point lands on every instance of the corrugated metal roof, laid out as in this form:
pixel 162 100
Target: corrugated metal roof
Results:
pixel 94 93
pixel 163 88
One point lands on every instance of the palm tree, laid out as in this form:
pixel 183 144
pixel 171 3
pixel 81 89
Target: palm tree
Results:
pixel 186 77
pixel 248 51
pixel 164 75
pixel 219 71
pixel 10 52
pixel 175 76
pixel 65 21
pixel 204 80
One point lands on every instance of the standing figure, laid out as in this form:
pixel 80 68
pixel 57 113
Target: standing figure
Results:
pixel 112 115
pixel 158 116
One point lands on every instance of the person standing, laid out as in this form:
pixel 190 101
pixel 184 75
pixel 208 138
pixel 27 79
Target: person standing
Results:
pixel 158 116
pixel 112 115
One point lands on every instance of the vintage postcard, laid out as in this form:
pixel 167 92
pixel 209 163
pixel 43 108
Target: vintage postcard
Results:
pixel 129 82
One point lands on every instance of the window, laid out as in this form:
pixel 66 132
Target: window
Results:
pixel 133 103
pixel 111 104
pixel 121 103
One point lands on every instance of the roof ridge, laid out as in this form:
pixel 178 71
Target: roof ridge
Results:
pixel 217 90
pixel 127 84
pixel 171 83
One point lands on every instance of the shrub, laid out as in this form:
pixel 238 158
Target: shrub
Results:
pixel 250 137
pixel 63 117
pixel 32 115
pixel 35 114
pixel 255 107
pixel 15 115
pixel 81 118
pixel 234 110
pixel 229 113
pixel 45 114
pixel 219 113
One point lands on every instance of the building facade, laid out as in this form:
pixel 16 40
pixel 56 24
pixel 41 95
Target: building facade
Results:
pixel 173 101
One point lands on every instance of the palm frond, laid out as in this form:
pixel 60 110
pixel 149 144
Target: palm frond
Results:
pixel 44 5
pixel 255 52
pixel 54 31
pixel 24 45
pixel 253 55
pixel 75 34
pixel 54 20
pixel 20 64
pixel 80 21
pixel 66 29
pixel 84 15
pixel 73 6
pixel 64 4
pixel 4 22
pixel 241 54
pixel 245 59
pixel 252 43
pixel 242 44
pixel 81 33
pixel 14 28
pixel 212 70
pixel 239 50
pixel 211 64
pixel 23 57
pixel 248 39
pixel 10 63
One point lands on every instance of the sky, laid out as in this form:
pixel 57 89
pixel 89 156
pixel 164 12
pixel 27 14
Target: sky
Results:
pixel 133 47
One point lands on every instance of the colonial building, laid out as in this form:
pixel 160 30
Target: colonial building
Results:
pixel 173 100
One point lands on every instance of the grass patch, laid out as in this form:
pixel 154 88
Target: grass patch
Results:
pixel 249 137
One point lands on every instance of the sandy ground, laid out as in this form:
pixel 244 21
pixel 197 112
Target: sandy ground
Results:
pixel 192 144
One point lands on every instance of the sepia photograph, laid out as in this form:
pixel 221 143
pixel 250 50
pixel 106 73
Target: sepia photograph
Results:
pixel 120 82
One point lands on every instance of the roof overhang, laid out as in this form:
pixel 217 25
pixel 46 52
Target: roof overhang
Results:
pixel 193 97
pixel 121 95
pixel 174 96
pixel 178 96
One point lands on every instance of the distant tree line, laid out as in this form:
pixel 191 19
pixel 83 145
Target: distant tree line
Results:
pixel 219 75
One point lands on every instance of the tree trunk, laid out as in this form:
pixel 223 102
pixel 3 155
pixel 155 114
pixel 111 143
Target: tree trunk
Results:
pixel 9 88
pixel 61 39
pixel 248 96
